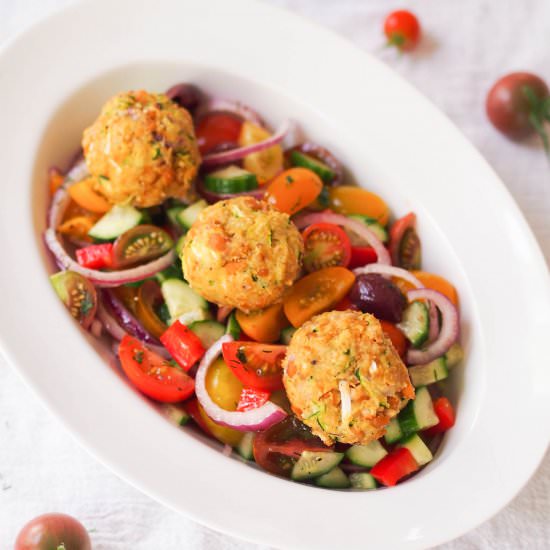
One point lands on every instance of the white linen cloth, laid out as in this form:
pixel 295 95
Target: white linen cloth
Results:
pixel 466 46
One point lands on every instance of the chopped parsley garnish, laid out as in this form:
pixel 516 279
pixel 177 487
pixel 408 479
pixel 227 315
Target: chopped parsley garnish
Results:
pixel 138 356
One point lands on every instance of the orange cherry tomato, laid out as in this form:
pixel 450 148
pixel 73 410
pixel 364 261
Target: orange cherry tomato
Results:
pixel 317 292
pixel 348 199
pixel 433 281
pixel 293 190
pixel 264 325
pixel 148 300
pixel 77 227
pixel 83 194
pixel 396 336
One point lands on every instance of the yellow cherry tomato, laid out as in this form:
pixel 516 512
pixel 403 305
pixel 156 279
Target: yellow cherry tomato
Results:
pixel 347 199
pixel 265 164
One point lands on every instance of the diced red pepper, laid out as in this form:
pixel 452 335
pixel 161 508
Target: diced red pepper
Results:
pixel 394 466
pixel 344 304
pixel 252 399
pixel 446 415
pixel 192 408
pixel 183 344
pixel 95 256
pixel 362 255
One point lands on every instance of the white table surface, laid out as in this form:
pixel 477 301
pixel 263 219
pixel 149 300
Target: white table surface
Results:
pixel 467 45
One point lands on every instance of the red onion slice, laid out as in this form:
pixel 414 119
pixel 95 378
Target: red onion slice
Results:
pixel 236 154
pixel 106 278
pixel 229 105
pixel 256 419
pixel 303 220
pixel 223 313
pixel 449 326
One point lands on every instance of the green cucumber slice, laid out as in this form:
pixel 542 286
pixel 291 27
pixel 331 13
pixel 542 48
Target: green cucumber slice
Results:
pixel 233 328
pixel 418 449
pixel 454 355
pixel 362 480
pixel 312 464
pixel 245 446
pixel 175 414
pixel 183 303
pixel 207 331
pixel 393 431
pixel 286 335
pixel 116 222
pixel 298 158
pixel 179 245
pixel 230 180
pixel 187 216
pixel 419 413
pixel 434 371
pixel 174 213
pixel 415 323
pixel 373 225
pixel 335 479
pixel 366 455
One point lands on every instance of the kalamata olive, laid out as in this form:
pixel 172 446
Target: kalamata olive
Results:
pixel 372 293
pixel 186 95
pixel 517 104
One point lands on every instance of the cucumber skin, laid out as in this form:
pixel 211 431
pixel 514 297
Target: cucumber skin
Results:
pixel 356 454
pixel 233 328
pixel 418 449
pixel 301 473
pixel 363 480
pixel 395 433
pixel 416 338
pixel 133 218
pixel 297 158
pixel 430 373
pixel 216 182
pixel 334 479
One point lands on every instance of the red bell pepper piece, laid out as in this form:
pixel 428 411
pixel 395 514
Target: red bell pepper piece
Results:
pixel 95 256
pixel 394 466
pixel 183 344
pixel 446 415
pixel 362 255
pixel 344 304
pixel 252 398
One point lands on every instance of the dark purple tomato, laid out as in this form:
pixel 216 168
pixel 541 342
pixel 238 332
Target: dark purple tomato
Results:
pixel 140 244
pixel 517 103
pixel 52 532
pixel 375 294
pixel 186 95
pixel 78 294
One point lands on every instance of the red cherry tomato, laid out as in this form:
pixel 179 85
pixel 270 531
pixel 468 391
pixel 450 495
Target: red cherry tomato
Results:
pixel 152 375
pixel 518 104
pixel 256 365
pixel 53 531
pixel 325 245
pixel 402 30
pixel 278 448
pixel 218 129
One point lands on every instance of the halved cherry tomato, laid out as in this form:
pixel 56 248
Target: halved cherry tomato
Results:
pixel 402 30
pixel 152 375
pixel 293 190
pixel 264 325
pixel 279 447
pixel 394 466
pixel 344 304
pixel 141 244
pixel 77 294
pixel 77 227
pixel 256 365
pixel 83 194
pixel 317 292
pixel 56 180
pixel 183 344
pixel 194 410
pixel 446 415
pixel 147 302
pixel 405 248
pixel 433 281
pixel 216 129
pixel 325 245
pixel 362 255
pixel 265 164
pixel 252 398
pixel 95 256
pixel 396 336
pixel 347 199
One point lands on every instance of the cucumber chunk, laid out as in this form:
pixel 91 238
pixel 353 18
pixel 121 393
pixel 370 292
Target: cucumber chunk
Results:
pixel 179 245
pixel 454 355
pixel 366 455
pixel 362 480
pixel 230 180
pixel 393 431
pixel 286 335
pixel 298 158
pixel 335 479
pixel 245 446
pixel 187 216
pixel 415 323
pixel 174 213
pixel 377 228
pixel 434 371
pixel 418 449
pixel 175 414
pixel 312 464
pixel 207 331
pixel 183 303
pixel 116 222
pixel 233 328
pixel 419 413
